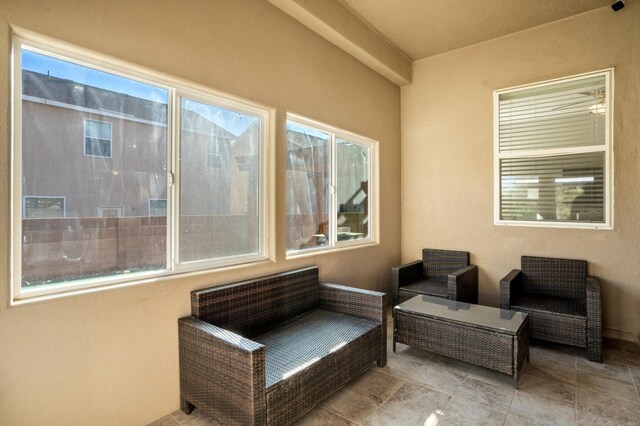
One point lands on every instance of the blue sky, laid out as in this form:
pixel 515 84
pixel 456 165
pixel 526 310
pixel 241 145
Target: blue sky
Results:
pixel 232 121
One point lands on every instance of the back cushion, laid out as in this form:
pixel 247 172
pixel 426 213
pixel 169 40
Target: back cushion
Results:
pixel 554 277
pixel 438 264
pixel 252 306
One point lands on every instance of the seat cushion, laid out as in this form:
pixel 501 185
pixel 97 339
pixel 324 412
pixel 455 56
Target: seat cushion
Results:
pixel 545 304
pixel 428 287
pixel 303 341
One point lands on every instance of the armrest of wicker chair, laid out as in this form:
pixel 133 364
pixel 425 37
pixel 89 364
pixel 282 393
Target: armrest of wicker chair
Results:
pixel 509 288
pixel 220 369
pixel 462 285
pixel 403 275
pixel 594 320
pixel 358 303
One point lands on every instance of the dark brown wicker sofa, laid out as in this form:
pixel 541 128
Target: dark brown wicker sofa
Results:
pixel 441 273
pixel 266 351
pixel 562 301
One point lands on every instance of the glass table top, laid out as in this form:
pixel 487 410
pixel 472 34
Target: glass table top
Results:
pixel 477 315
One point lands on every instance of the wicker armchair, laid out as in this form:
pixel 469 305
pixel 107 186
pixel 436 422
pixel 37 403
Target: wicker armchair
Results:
pixel 440 273
pixel 562 301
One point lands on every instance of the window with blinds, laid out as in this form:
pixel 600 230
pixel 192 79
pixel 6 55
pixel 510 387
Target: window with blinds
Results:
pixel 553 152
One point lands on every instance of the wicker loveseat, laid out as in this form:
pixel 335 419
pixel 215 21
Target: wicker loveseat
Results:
pixel 562 301
pixel 440 273
pixel 266 351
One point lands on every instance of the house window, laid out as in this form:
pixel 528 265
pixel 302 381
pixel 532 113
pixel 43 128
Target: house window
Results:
pixel 330 187
pixel 157 207
pixel 110 211
pixel 43 207
pixel 220 213
pixel 97 138
pixel 553 162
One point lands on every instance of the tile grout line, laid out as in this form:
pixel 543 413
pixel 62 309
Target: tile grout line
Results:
pixel 333 412
pixel 383 402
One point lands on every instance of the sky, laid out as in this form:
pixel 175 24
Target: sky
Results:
pixel 232 121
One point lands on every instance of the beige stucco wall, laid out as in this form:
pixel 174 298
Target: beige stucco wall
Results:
pixel 112 357
pixel 447 155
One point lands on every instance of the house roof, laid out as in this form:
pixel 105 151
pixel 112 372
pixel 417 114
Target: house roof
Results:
pixel 73 93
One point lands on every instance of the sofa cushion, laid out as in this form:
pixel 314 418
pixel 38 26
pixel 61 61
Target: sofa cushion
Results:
pixel 557 305
pixel 428 287
pixel 306 339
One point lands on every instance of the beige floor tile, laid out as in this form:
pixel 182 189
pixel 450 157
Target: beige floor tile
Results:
pixel 615 356
pixel 514 419
pixel 594 408
pixel 491 376
pixel 165 421
pixel 196 418
pixel 415 354
pixel 632 358
pixel 553 354
pixel 360 398
pixel 612 371
pixel 401 367
pixel 539 401
pixel 551 372
pixel 321 417
pixel 411 405
pixel 442 373
pixel 609 386
pixel 498 397
pixel 629 346
pixel 461 412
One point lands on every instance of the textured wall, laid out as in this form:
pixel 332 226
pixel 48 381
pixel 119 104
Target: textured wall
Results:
pixel 111 357
pixel 447 154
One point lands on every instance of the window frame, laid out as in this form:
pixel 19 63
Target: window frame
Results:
pixel 336 133
pixel 174 86
pixel 607 148
pixel 84 140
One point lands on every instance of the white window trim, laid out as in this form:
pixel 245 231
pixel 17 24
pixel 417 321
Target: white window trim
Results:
pixel 85 57
pixel 373 188
pixel 84 140
pixel 64 202
pixel 607 149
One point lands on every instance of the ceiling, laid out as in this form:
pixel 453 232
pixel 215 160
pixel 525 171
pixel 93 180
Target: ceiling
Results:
pixel 422 28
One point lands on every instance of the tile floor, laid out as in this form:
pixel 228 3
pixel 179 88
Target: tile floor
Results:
pixel 559 387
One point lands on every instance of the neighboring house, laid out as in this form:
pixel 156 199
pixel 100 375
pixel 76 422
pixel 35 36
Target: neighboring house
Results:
pixel 110 151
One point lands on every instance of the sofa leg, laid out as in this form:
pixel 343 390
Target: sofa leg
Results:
pixel 382 361
pixel 186 406
pixel 594 354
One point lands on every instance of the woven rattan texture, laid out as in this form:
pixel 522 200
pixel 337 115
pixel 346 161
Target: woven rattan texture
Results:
pixel 491 349
pixel 307 339
pixel 439 263
pixel 252 307
pixel 554 277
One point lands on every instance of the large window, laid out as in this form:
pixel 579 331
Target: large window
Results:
pixel 331 192
pixel 147 206
pixel 554 153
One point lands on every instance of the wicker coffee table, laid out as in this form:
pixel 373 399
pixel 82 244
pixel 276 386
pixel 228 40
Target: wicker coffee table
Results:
pixel 480 335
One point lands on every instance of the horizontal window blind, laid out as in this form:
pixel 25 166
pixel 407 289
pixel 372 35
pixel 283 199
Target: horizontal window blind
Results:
pixel 570 116
pixel 552 142
pixel 558 188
